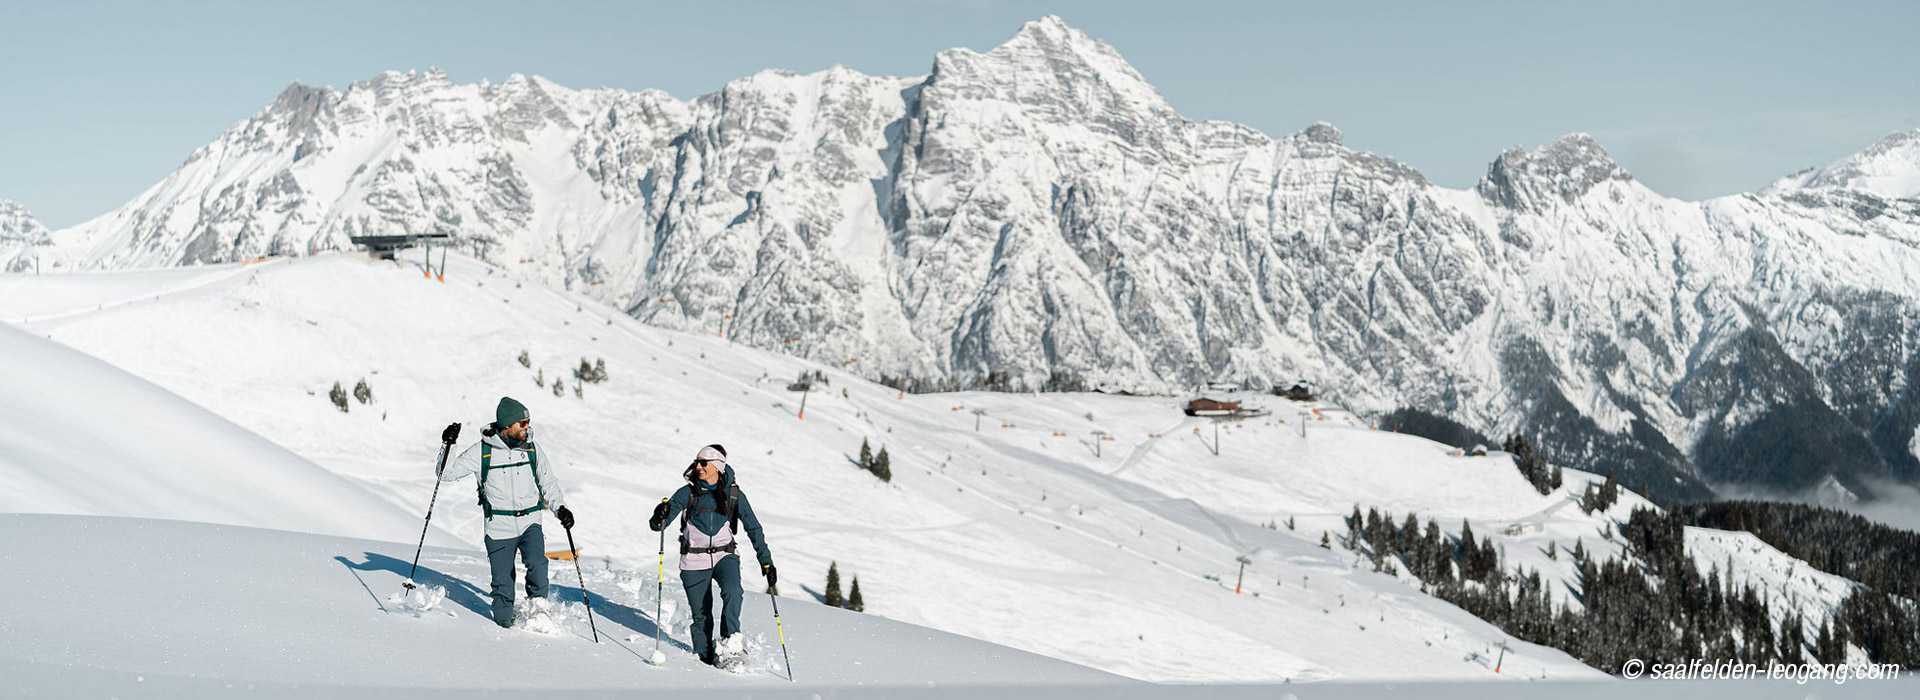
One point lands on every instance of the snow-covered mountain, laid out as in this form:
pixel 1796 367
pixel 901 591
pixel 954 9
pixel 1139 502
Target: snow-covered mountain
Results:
pixel 1018 534
pixel 1038 215
pixel 20 235
pixel 1889 169
pixel 1097 529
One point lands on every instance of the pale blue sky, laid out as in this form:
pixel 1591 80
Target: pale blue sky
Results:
pixel 100 100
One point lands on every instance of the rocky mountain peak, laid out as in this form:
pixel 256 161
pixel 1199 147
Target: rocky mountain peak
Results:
pixel 1056 68
pixel 20 232
pixel 1563 170
pixel 18 224
pixel 1323 133
pixel 303 108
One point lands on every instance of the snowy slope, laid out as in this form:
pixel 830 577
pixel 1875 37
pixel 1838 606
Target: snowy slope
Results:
pixel 1039 212
pixel 88 438
pixel 1012 534
pixel 269 609
pixel 1789 586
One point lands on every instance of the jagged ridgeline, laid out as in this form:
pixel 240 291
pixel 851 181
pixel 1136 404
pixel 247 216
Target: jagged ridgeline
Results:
pixel 1038 216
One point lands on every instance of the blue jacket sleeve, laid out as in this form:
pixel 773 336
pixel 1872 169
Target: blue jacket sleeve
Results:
pixel 753 530
pixel 675 504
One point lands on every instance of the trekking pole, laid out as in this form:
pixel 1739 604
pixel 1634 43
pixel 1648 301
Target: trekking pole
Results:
pixel 445 448
pixel 585 598
pixel 782 632
pixel 659 596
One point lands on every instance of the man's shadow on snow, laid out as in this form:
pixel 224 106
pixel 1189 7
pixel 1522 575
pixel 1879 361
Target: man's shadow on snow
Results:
pixel 480 601
pixel 458 590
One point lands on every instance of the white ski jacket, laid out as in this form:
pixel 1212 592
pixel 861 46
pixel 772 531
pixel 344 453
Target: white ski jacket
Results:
pixel 517 483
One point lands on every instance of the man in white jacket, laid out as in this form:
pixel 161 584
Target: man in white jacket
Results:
pixel 516 484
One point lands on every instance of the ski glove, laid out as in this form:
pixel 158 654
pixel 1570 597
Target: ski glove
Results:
pixel 773 576
pixel 659 519
pixel 566 517
pixel 451 434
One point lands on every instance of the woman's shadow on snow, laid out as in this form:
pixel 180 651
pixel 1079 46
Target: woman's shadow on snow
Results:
pixel 627 617
pixel 479 601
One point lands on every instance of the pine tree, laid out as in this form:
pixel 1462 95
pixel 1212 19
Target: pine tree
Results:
pixel 1823 645
pixel 883 466
pixel 362 392
pixel 1469 552
pixel 833 585
pixel 1325 543
pixel 866 455
pixel 1792 642
pixel 1289 522
pixel 338 396
pixel 854 601
pixel 524 361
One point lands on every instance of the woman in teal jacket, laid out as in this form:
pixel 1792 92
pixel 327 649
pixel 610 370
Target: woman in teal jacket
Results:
pixel 712 511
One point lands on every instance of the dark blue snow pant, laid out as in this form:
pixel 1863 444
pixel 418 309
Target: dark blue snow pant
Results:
pixel 726 572
pixel 532 547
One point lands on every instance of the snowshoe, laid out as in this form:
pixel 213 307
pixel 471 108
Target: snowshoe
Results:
pixel 732 654
pixel 537 615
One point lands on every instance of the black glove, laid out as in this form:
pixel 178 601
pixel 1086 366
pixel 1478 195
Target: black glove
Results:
pixel 566 517
pixel 451 434
pixel 659 519
pixel 773 576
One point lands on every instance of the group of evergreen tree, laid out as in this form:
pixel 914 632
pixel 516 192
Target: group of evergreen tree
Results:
pixel 591 373
pixel 1438 428
pixel 1602 497
pixel 1881 617
pixel 852 601
pixel 880 465
pixel 1656 607
pixel 1534 467
pixel 361 392
pixel 1834 541
pixel 809 378
pixel 996 380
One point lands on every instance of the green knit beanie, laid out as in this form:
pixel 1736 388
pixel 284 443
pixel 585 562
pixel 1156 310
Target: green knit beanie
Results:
pixel 509 412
